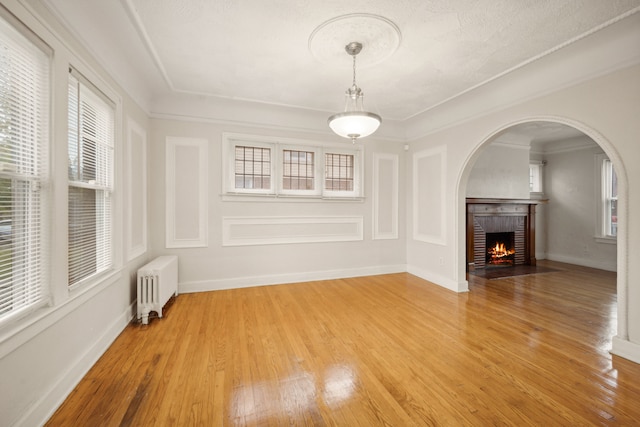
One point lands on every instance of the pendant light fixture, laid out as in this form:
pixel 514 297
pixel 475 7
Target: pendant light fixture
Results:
pixel 354 122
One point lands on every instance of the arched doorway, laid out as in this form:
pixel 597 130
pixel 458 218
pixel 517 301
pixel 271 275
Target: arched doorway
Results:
pixel 610 152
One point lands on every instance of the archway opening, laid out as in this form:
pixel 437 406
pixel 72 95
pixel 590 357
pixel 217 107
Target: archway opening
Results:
pixel 579 220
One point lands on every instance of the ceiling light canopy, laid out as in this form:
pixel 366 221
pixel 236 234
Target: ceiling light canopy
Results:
pixel 354 122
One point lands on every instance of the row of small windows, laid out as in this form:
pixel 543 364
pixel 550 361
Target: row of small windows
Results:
pixel 297 171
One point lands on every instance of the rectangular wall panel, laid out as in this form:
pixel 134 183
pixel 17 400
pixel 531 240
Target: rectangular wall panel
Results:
pixel 243 231
pixel 429 195
pixel 385 196
pixel 186 192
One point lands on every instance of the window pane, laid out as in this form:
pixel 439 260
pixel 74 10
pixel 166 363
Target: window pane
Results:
pixel 91 146
pixel 610 189
pixel 252 167
pixel 298 170
pixel 613 230
pixel 24 144
pixel 82 233
pixel 339 172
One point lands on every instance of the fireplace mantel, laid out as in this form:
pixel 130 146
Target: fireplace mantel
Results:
pixel 518 214
pixel 472 200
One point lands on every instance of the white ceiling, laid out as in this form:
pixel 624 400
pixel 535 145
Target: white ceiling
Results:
pixel 544 136
pixel 417 53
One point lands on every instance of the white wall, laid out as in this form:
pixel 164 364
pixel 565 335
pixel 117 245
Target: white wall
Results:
pixel 571 179
pixel 216 266
pixel 501 171
pixel 44 355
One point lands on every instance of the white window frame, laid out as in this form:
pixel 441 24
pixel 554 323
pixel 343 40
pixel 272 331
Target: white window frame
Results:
pixel 318 171
pixel 536 177
pixel 29 170
pixel 228 165
pixel 231 140
pixel 105 230
pixel 604 169
pixel 357 175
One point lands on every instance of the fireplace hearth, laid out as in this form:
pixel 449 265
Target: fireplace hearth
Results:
pixel 500 232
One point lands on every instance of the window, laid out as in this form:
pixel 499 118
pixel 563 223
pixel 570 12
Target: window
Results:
pixel 253 168
pixel 342 173
pixel 285 167
pixel 90 148
pixel 24 169
pixel 535 176
pixel 610 199
pixel 607 200
pixel 298 170
pixel 338 172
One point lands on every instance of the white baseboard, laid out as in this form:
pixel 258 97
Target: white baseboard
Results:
pixel 42 409
pixel 601 265
pixel 627 349
pixel 445 282
pixel 277 279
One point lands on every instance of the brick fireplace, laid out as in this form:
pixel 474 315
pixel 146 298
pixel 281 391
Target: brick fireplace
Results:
pixel 500 232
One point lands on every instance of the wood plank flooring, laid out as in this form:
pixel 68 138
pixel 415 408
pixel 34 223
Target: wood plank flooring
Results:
pixel 389 350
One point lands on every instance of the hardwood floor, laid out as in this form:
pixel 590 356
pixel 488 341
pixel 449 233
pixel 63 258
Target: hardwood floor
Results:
pixel 389 350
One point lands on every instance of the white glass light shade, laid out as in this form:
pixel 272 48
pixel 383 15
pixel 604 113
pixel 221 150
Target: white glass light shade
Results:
pixel 354 124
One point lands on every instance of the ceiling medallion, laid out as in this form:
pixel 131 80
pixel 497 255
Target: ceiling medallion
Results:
pixel 380 35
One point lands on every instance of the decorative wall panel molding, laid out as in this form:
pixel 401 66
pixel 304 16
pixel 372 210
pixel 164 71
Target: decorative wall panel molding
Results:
pixel 385 196
pixel 429 195
pixel 186 192
pixel 136 164
pixel 244 231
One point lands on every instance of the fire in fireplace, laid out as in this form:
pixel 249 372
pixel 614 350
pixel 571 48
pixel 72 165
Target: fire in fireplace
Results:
pixel 501 250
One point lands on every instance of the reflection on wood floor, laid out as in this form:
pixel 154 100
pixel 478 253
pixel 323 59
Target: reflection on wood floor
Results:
pixel 384 350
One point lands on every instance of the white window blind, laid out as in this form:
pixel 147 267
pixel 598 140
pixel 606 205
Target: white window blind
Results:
pixel 24 169
pixel 535 176
pixel 610 202
pixel 91 145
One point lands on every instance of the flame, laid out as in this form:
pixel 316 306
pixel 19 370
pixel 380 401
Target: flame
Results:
pixel 500 251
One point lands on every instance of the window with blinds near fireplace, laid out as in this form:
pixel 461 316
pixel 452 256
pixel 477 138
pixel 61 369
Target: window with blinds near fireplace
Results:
pixel 24 170
pixel 609 199
pixel 90 148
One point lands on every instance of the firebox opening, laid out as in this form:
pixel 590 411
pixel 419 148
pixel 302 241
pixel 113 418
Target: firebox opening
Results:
pixel 501 250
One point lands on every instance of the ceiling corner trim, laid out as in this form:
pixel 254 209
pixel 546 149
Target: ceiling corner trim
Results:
pixel 131 12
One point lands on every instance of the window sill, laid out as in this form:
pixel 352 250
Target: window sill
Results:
pixel 280 198
pixel 606 239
